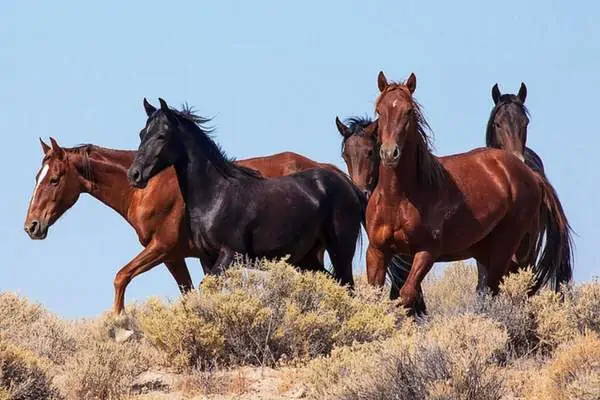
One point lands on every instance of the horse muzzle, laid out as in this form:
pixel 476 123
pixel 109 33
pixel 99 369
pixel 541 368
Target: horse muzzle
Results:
pixel 390 155
pixel 37 229
pixel 136 178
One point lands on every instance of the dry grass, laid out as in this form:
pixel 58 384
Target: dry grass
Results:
pixel 271 332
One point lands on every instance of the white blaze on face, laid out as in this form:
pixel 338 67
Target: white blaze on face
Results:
pixel 41 176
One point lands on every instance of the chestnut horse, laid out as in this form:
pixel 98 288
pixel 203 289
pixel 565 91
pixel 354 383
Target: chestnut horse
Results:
pixel 361 155
pixel 478 204
pixel 156 212
pixel 507 129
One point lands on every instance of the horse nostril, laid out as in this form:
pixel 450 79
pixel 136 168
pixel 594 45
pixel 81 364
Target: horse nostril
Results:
pixel 32 228
pixel 396 153
pixel 366 193
pixel 136 175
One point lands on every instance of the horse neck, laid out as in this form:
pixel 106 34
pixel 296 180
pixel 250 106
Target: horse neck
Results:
pixel 402 180
pixel 197 177
pixel 108 182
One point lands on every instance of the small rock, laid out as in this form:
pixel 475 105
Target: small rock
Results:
pixel 122 335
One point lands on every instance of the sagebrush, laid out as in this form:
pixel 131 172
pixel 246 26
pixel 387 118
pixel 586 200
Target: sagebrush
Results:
pixel 337 344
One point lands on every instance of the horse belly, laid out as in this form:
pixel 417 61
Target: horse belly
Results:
pixel 293 236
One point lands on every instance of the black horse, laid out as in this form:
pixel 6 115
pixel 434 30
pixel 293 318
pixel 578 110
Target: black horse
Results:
pixel 232 209
pixel 507 130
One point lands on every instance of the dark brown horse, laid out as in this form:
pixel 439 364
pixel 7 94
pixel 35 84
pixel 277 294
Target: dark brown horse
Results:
pixel 507 129
pixel 156 212
pixel 478 204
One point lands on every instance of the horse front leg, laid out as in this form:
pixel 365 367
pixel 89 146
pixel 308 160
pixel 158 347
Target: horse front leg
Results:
pixel 179 271
pixel 223 261
pixel 377 261
pixel 422 263
pixel 150 257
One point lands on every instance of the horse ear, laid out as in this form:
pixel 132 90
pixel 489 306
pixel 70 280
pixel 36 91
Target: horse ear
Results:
pixel 45 147
pixel 59 151
pixel 496 93
pixel 163 105
pixel 381 81
pixel 411 83
pixel 150 109
pixel 343 129
pixel 522 92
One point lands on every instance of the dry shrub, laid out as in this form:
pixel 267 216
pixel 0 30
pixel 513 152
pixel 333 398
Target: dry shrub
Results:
pixel 209 380
pixel 452 291
pixel 21 375
pixel 105 370
pixel 453 359
pixel 586 305
pixel 512 310
pixel 555 319
pixel 32 327
pixel 574 373
pixel 262 316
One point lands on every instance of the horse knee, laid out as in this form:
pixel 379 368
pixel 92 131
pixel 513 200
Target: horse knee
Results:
pixel 121 280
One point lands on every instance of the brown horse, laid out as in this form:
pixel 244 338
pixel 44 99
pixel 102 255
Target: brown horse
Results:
pixel 478 204
pixel 156 212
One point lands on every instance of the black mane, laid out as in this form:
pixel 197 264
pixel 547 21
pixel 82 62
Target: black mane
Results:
pixel 357 124
pixel 505 99
pixel 213 152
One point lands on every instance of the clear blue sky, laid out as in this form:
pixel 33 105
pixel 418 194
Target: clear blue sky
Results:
pixel 274 75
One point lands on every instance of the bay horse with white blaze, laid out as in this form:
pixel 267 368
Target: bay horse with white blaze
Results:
pixel 230 209
pixel 156 212
pixel 478 204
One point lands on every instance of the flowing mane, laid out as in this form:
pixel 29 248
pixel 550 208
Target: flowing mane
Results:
pixel 212 151
pixel 430 171
pixel 505 99
pixel 356 126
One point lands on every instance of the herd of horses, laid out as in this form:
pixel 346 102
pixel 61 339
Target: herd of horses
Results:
pixel 185 198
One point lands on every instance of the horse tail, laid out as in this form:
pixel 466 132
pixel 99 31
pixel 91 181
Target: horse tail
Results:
pixel 555 265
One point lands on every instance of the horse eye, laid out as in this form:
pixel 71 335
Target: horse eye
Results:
pixel 54 180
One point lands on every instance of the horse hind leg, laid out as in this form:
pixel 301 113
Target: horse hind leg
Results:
pixel 313 260
pixel 340 242
pixel 179 270
pixel 497 251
